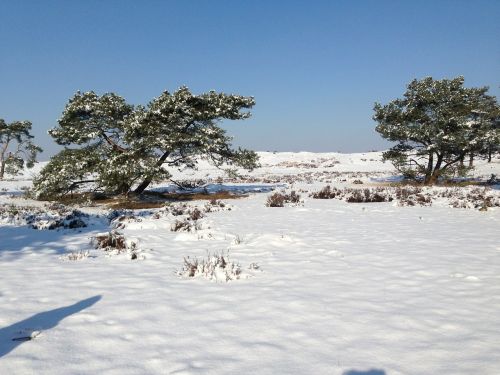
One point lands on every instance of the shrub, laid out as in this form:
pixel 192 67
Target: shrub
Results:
pixel 217 267
pixel 185 225
pixel 326 193
pixel 293 197
pixel 412 196
pixel 276 200
pixel 111 241
pixel 279 199
pixel 115 243
pixel 195 214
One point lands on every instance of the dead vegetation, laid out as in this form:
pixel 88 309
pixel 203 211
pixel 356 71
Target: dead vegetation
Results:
pixel 279 199
pixel 114 243
pixel 147 200
pixel 216 267
pixel 409 195
pixel 157 200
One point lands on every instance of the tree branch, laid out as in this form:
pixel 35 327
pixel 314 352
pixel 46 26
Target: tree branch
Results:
pixel 112 143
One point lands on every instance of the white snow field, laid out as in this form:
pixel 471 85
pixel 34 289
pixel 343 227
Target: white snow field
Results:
pixel 326 286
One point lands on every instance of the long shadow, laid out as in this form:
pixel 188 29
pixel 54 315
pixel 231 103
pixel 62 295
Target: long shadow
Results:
pixel 367 372
pixel 40 322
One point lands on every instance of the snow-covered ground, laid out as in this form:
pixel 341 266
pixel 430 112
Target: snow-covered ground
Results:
pixel 326 286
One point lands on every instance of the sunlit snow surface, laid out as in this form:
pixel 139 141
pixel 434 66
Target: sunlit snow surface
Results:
pixel 371 289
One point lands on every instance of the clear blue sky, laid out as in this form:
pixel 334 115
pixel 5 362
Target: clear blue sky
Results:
pixel 314 67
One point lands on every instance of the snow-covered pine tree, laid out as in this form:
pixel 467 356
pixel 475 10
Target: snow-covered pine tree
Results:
pixel 119 146
pixel 178 127
pixel 436 124
pixel 16 147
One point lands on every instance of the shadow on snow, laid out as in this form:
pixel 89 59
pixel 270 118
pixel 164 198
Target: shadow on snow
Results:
pixel 19 240
pixel 40 322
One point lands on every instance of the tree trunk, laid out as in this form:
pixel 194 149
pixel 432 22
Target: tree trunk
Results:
pixel 437 171
pixel 471 160
pixel 2 169
pixel 144 184
pixel 3 158
pixel 489 154
pixel 428 170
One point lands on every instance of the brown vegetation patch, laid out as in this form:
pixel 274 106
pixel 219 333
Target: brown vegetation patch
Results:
pixel 224 194
pixel 146 200
pixel 158 200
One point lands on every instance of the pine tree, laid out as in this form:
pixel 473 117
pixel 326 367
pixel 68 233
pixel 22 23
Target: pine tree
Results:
pixel 436 124
pixel 16 147
pixel 119 146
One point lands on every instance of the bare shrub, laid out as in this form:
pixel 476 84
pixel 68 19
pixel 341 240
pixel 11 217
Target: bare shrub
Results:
pixel 412 196
pixel 278 199
pixel 195 214
pixel 293 197
pixel 479 198
pixel 111 241
pixel 365 195
pixel 326 193
pixel 215 205
pixel 185 225
pixel 178 209
pixel 216 267
pixel 354 195
pixel 458 197
pixel 115 243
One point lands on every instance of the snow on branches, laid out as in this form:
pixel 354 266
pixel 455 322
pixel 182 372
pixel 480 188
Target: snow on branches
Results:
pixel 116 146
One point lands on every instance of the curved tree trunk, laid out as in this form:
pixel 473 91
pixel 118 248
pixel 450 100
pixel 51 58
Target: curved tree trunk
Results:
pixel 144 184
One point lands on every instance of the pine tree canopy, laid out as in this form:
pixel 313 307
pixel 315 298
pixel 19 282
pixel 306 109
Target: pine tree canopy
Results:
pixel 16 147
pixel 436 124
pixel 118 147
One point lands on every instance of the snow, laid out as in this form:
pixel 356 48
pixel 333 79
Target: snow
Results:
pixel 332 287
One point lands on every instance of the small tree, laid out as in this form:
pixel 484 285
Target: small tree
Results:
pixel 436 124
pixel 120 146
pixel 16 147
